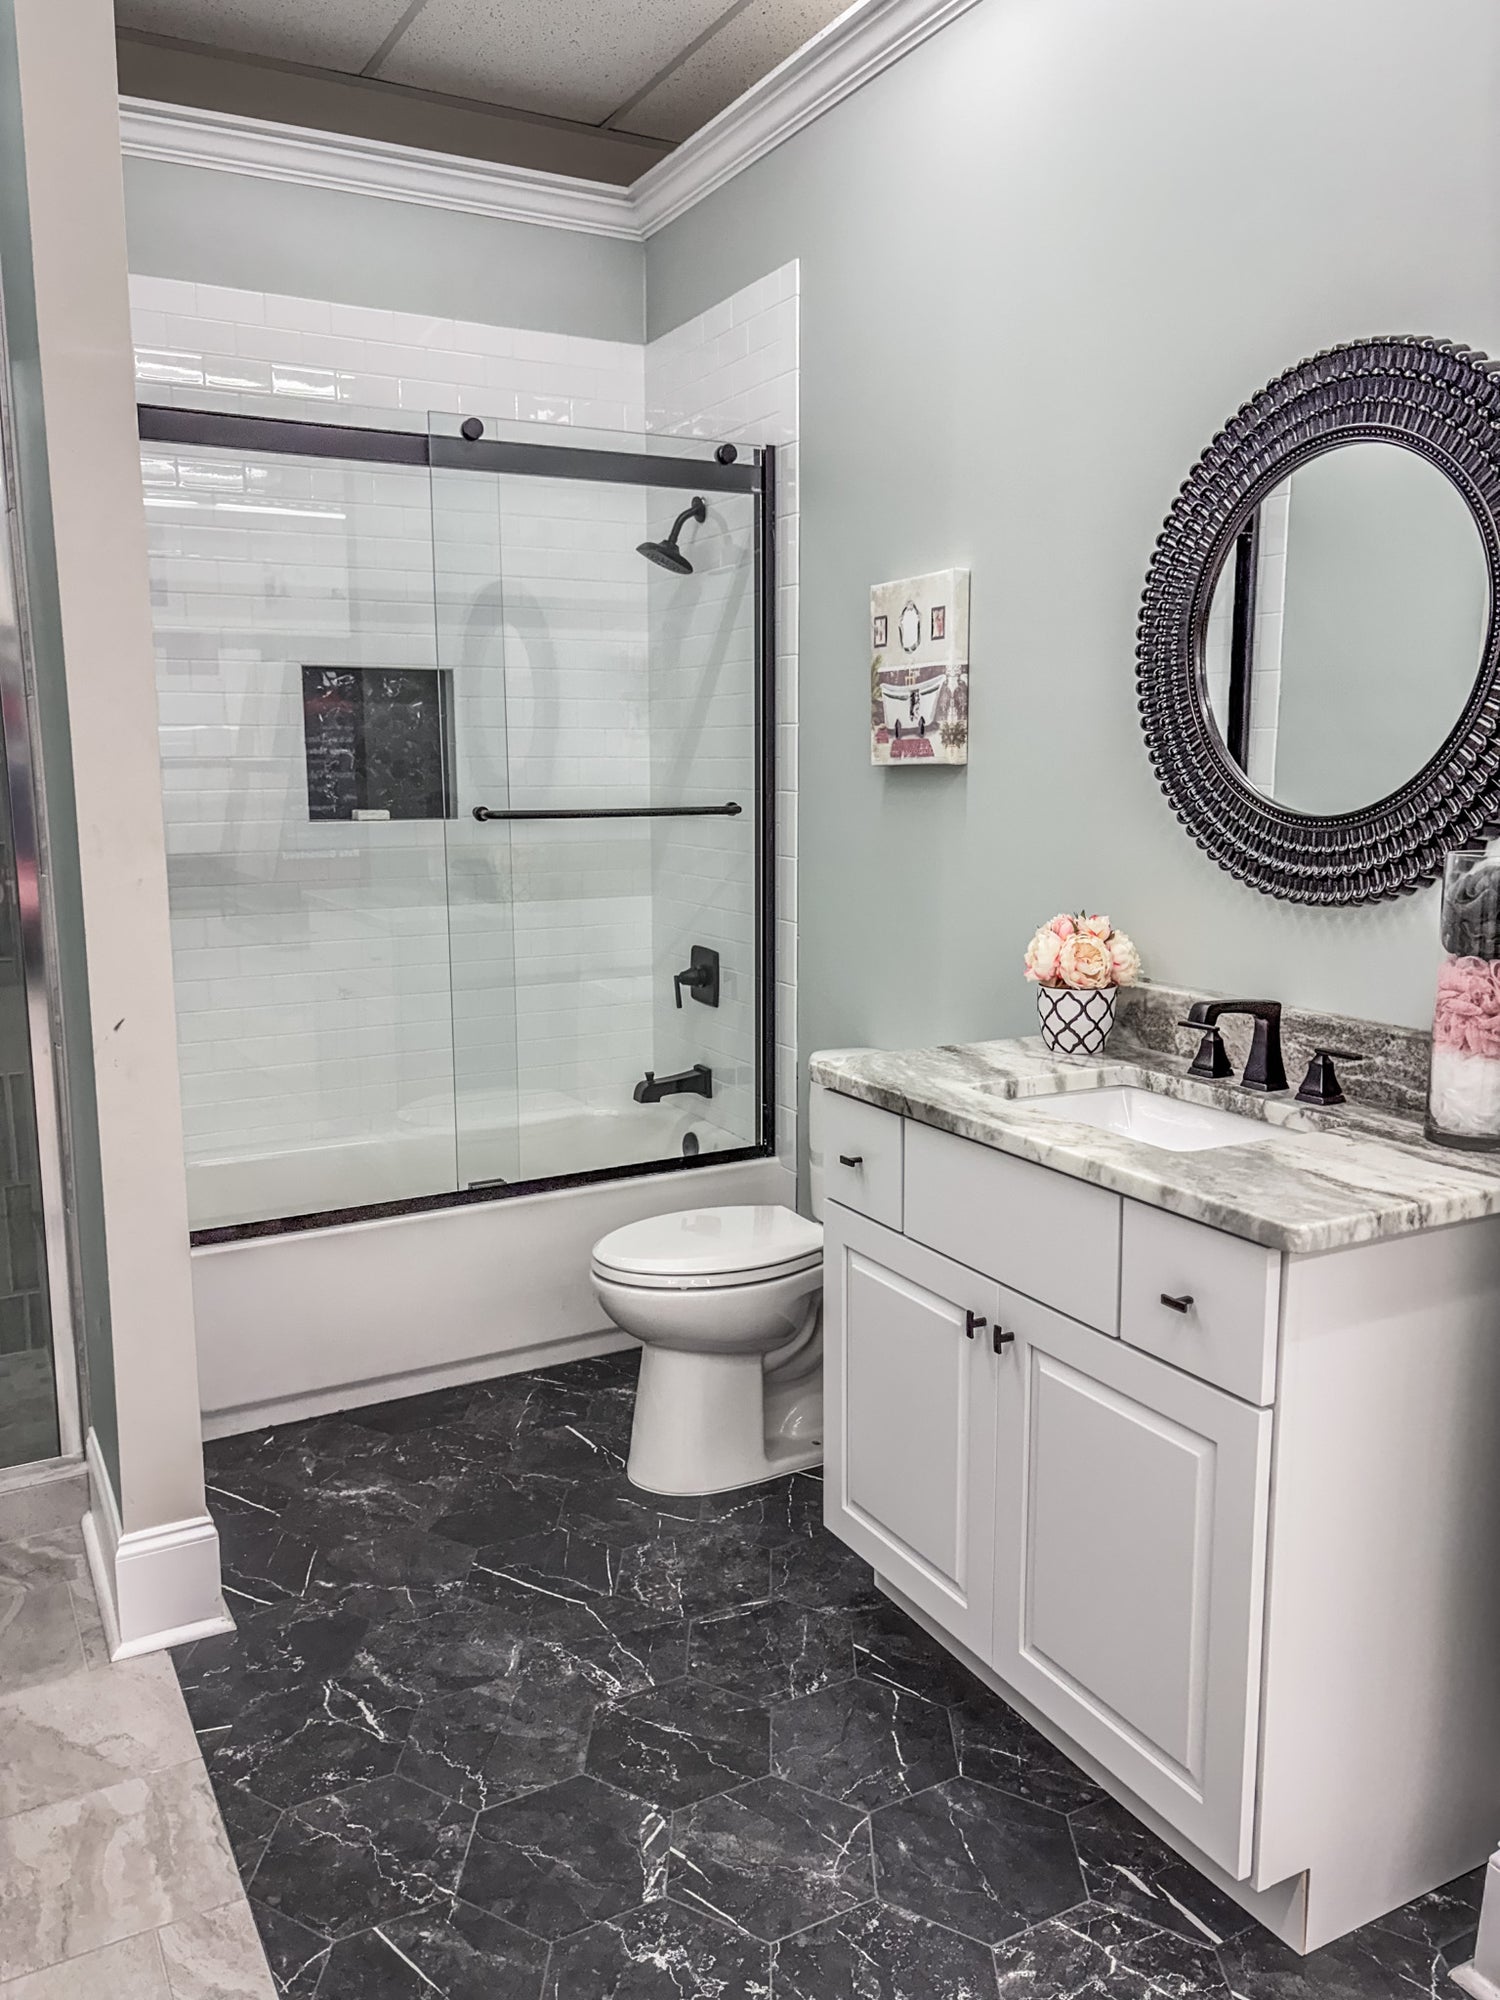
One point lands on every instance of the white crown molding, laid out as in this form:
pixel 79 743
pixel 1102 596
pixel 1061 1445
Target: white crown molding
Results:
pixel 265 151
pixel 864 40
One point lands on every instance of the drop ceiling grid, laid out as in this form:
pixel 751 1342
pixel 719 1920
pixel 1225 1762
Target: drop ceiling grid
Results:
pixel 638 66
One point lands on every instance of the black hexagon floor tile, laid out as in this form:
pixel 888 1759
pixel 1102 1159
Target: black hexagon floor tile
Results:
pixel 1125 1865
pixel 1000 1747
pixel 1107 1953
pixel 975 1860
pixel 772 1652
pixel 818 1570
pixel 372 1853
pixel 862 1742
pixel 770 1858
pixel 453 1951
pixel 556 1861
pixel 661 1952
pixel 877 1953
pixel 466 1586
pixel 680 1743
pixel 703 1570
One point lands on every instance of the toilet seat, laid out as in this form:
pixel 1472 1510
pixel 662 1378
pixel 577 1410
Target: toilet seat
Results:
pixel 702 1249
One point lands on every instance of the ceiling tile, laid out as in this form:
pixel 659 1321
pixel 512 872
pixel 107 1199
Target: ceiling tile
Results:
pixel 728 63
pixel 573 58
pixel 333 34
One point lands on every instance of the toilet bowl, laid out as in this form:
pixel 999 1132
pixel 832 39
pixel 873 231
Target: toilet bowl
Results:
pixel 727 1306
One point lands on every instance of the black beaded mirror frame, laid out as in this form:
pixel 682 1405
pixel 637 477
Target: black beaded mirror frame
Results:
pixel 1435 398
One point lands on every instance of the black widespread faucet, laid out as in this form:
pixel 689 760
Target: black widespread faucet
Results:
pixel 697 1082
pixel 1264 1068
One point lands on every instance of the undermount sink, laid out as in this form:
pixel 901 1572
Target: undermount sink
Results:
pixel 1167 1122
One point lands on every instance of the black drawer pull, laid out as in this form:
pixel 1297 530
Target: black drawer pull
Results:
pixel 973 1322
pixel 1182 1304
pixel 1002 1340
pixel 851 1159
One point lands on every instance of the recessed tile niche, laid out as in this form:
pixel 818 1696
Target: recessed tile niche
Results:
pixel 378 740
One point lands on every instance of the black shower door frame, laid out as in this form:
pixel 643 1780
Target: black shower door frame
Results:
pixel 751 471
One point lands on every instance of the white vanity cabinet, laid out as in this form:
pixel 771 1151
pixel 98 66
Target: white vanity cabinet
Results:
pixel 912 1405
pixel 1129 1550
pixel 1220 1519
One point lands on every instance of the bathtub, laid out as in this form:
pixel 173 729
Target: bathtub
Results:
pixel 298 1324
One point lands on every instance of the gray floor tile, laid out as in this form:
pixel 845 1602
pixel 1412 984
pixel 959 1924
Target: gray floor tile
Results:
pixel 87 1872
pixel 129 1970
pixel 79 1734
pixel 217 1955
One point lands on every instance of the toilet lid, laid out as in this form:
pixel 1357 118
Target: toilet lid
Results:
pixel 699 1243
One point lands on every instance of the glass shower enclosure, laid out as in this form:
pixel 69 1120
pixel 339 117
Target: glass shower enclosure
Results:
pixel 467 744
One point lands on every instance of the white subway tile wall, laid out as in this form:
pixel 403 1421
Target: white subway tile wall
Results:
pixel 335 980
pixel 731 373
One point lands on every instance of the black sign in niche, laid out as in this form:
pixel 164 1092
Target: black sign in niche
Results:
pixel 378 739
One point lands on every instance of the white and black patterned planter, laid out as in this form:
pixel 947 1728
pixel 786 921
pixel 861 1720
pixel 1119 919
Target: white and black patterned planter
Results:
pixel 1075 1019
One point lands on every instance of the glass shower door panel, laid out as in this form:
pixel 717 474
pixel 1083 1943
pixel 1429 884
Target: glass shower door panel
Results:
pixel 304 734
pixel 592 684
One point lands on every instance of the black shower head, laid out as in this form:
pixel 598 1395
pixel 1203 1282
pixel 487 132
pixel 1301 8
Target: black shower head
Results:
pixel 667 554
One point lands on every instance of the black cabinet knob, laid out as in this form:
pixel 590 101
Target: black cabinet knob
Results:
pixel 973 1322
pixel 851 1159
pixel 1002 1339
pixel 1183 1303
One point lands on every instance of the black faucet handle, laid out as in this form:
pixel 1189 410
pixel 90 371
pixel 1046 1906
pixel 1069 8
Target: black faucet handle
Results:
pixel 1212 1060
pixel 1321 1084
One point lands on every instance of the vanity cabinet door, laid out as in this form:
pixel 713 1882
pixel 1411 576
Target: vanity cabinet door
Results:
pixel 909 1419
pixel 1132 1513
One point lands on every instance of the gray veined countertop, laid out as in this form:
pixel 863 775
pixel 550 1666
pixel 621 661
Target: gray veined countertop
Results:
pixel 1327 1179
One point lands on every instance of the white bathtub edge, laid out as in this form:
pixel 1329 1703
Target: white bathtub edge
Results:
pixel 314 1321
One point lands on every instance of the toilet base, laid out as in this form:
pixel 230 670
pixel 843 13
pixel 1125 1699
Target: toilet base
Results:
pixel 700 1423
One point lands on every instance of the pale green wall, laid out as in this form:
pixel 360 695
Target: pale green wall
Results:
pixel 269 236
pixel 1043 259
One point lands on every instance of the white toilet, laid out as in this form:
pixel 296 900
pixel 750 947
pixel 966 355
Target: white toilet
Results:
pixel 727 1303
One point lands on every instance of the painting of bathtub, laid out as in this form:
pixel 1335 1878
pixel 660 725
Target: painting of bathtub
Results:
pixel 919 670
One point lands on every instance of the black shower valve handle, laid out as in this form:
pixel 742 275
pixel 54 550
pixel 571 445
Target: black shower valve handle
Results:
pixel 695 976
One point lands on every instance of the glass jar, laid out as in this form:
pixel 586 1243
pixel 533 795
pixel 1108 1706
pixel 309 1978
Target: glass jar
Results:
pixel 1463 1091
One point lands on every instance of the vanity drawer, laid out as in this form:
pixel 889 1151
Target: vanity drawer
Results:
pixel 1226 1333
pixel 861 1156
pixel 1040 1232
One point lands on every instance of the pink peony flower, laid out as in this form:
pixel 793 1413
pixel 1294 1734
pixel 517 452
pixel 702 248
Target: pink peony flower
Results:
pixel 1085 961
pixel 1062 927
pixel 1042 955
pixel 1124 959
pixel 1098 927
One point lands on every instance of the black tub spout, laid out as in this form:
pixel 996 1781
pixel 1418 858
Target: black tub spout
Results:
pixel 695 1082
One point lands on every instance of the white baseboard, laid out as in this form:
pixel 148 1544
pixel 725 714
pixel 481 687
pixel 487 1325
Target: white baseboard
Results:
pixel 157 1587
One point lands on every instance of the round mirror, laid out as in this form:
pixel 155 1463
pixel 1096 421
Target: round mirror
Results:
pixel 1346 628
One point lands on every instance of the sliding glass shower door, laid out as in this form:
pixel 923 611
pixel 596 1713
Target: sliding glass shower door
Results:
pixel 598 619
pixel 465 746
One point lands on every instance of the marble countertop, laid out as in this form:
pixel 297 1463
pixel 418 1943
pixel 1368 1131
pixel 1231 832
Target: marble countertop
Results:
pixel 1325 1180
